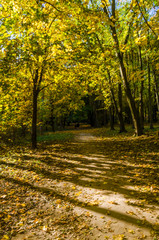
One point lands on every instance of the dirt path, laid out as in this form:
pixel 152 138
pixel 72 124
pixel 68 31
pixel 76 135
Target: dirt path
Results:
pixel 87 189
pixel 127 217
pixel 85 137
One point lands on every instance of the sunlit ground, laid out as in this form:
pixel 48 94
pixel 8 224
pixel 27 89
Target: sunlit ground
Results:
pixel 86 188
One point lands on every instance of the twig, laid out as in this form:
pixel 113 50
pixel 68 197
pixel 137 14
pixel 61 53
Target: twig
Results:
pixel 145 19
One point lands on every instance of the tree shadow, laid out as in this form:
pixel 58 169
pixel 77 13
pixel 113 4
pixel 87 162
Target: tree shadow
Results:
pixel 110 166
pixel 104 211
pixel 97 173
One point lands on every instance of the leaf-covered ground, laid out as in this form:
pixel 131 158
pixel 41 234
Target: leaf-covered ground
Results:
pixel 91 187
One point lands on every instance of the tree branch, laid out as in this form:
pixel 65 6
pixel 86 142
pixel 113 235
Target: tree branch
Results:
pixel 145 19
pixel 128 33
pixel 51 5
pixel 113 8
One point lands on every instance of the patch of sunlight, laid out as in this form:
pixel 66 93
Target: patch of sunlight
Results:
pixel 86 179
pixel 130 188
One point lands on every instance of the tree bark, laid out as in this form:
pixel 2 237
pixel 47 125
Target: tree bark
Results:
pixel 120 114
pixel 130 99
pixel 141 91
pixel 36 90
pixel 34 118
pixel 118 110
pixel 149 86
pixel 52 117
pixel 150 97
pixel 111 117
pixel 156 88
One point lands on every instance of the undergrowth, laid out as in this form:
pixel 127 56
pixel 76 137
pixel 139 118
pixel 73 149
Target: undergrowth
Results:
pixel 57 136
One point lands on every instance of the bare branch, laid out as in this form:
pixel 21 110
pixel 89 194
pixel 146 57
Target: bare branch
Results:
pixel 51 5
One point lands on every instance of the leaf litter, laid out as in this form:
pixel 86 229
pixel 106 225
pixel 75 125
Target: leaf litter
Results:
pixel 86 189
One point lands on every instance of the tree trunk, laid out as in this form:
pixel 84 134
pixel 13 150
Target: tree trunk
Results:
pixel 120 112
pixel 34 118
pixel 141 91
pixel 111 117
pixel 150 97
pixel 130 99
pixel 105 118
pixel 156 89
pixel 52 118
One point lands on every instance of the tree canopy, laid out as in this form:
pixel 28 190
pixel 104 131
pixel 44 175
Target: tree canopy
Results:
pixel 62 58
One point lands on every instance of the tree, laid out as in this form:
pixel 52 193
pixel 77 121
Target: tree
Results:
pixel 40 39
pixel 112 20
pixel 57 54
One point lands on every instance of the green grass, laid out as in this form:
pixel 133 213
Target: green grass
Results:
pixel 66 136
pixel 106 132
pixel 147 129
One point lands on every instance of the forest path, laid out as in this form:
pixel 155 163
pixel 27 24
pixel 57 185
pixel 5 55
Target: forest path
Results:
pixel 87 189
pixel 85 137
pixel 129 215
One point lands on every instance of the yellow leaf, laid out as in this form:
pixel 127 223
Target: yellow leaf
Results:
pixel 5 237
pixel 77 194
pixel 157 66
pixel 44 228
pixel 21 224
pixel 131 213
pixel 58 201
pixel 119 237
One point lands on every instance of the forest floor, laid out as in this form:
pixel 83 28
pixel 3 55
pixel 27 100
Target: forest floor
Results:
pixel 88 188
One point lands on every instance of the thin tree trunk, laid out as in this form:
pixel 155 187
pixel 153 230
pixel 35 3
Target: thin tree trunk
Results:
pixel 150 97
pixel 105 117
pixel 34 118
pixel 156 89
pixel 149 86
pixel 111 117
pixel 120 114
pixel 130 99
pixel 118 110
pixel 36 90
pixel 141 91
pixel 52 118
